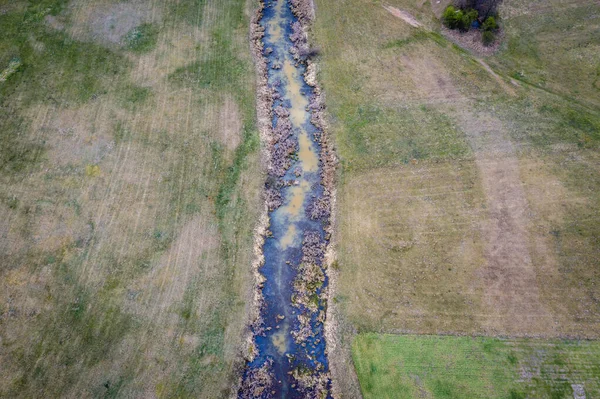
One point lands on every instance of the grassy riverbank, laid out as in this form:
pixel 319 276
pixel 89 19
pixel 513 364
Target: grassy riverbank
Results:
pixel 128 196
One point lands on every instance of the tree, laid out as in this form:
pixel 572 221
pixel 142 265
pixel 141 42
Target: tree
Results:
pixel 485 8
pixel 467 19
pixel 458 19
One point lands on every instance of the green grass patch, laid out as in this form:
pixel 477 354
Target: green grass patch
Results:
pixel 142 39
pixel 375 136
pixel 444 367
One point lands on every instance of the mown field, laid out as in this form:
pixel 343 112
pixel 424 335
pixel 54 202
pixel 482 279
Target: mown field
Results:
pixel 468 196
pixel 128 194
pixel 408 366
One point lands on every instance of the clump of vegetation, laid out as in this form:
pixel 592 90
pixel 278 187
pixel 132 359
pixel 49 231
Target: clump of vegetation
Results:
pixel 473 14
pixel 489 27
pixel 455 18
pixel 13 66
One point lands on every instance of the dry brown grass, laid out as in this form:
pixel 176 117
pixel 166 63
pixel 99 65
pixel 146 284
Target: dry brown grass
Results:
pixel 415 231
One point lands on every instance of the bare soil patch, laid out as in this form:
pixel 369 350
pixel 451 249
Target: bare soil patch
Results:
pixel 403 15
pixel 472 41
pixel 510 279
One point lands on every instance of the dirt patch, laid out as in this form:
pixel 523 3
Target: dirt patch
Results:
pixel 403 15
pixel 472 41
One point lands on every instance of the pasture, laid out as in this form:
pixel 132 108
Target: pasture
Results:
pixel 128 194
pixel 408 366
pixel 468 195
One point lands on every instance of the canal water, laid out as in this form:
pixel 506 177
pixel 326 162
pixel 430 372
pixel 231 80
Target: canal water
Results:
pixel 300 186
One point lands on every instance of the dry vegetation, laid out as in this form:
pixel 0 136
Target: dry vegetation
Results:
pixel 128 193
pixel 468 197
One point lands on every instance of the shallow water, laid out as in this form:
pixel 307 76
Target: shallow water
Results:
pixel 289 223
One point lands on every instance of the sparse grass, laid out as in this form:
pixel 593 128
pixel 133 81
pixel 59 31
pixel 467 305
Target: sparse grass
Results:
pixel 126 247
pixel 408 366
pixel 553 45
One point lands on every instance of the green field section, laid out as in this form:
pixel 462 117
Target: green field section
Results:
pixel 128 195
pixel 444 367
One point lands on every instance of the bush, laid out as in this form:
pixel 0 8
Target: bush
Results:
pixel 451 17
pixel 490 24
pixel 468 17
pixel 455 18
pixel 488 37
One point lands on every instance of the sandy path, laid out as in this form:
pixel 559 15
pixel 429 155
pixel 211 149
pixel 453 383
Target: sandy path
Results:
pixel 403 15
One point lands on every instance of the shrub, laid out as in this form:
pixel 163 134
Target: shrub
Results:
pixel 467 18
pixel 451 17
pixel 490 24
pixel 455 18
pixel 488 37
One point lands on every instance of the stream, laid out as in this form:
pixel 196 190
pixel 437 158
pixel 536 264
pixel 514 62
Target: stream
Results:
pixel 291 360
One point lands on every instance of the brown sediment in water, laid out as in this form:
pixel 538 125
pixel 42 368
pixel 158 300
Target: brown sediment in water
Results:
pixel 299 102
pixel 289 237
pixel 298 195
pixel 308 157
pixel 274 26
pixel 279 339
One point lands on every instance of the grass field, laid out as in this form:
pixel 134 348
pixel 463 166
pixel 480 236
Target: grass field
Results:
pixel 468 201
pixel 468 188
pixel 408 366
pixel 128 194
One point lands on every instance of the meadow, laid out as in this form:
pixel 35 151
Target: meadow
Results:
pixel 128 193
pixel 468 186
